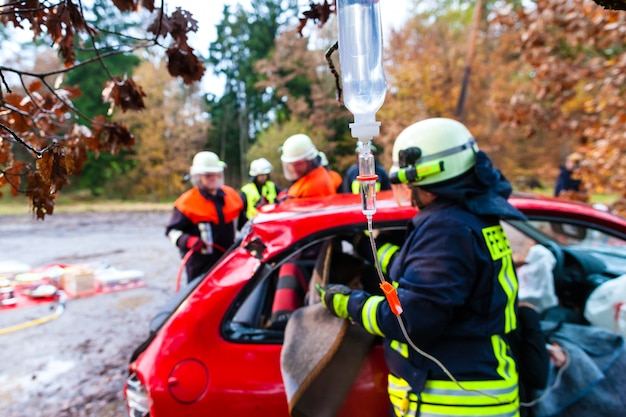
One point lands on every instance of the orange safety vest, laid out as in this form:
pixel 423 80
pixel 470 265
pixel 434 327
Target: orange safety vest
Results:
pixel 316 183
pixel 198 209
pixel 336 179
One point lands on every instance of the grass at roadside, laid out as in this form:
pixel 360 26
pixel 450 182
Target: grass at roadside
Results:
pixel 20 205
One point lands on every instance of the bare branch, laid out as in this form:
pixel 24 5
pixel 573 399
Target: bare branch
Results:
pixel 334 47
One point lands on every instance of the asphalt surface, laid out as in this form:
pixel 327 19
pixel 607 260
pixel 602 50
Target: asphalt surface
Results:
pixel 76 364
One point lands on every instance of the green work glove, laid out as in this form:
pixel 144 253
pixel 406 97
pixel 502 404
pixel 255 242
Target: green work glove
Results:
pixel 335 298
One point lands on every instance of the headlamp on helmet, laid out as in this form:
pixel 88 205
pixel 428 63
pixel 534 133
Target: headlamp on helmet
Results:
pixel 432 151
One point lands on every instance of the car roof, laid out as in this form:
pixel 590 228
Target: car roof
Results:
pixel 281 225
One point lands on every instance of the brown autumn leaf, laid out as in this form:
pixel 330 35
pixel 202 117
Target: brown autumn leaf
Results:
pixel 13 177
pixel 125 94
pixel 126 5
pixel 38 191
pixel 53 167
pixel 113 137
pixel 184 63
pixel 318 13
pixel 29 10
pixel 62 22
pixel 148 5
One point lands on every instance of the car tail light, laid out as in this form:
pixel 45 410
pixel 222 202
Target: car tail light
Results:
pixel 137 398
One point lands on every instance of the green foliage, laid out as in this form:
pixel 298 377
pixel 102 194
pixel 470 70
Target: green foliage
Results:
pixel 104 168
pixel 243 39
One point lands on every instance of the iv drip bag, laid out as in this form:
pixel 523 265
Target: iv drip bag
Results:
pixel 360 56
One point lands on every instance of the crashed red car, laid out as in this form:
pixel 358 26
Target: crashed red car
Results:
pixel 211 351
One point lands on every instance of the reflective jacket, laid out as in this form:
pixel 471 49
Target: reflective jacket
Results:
pixel 351 184
pixel 256 199
pixel 317 183
pixel 214 218
pixel 458 289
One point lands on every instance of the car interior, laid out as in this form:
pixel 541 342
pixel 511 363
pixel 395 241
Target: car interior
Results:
pixel 329 258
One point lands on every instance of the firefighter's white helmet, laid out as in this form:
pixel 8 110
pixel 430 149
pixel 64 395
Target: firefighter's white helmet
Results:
pixel 432 151
pixel 298 147
pixel 206 162
pixel 259 167
pixel 323 159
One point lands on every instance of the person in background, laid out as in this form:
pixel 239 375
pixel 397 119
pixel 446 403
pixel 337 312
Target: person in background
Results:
pixel 569 176
pixel 303 167
pixel 455 281
pixel 260 190
pixel 334 175
pixel 205 218
pixel 351 184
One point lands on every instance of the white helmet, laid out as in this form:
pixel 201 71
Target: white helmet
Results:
pixel 259 167
pixel 432 151
pixel 323 159
pixel 298 147
pixel 206 162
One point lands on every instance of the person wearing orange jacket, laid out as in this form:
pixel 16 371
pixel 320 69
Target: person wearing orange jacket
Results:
pixel 205 218
pixel 302 165
pixel 335 177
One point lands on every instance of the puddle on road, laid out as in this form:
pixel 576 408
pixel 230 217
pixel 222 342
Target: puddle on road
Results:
pixel 25 384
pixel 130 303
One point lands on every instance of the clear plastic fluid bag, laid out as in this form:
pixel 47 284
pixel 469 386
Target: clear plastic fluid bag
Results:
pixel 360 55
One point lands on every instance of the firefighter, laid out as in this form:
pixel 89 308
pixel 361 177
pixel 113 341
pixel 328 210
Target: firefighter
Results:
pixel 302 166
pixel 205 218
pixel 260 190
pixel 335 177
pixel 454 277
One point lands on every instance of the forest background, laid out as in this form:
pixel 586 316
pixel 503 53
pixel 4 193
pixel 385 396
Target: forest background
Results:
pixel 545 78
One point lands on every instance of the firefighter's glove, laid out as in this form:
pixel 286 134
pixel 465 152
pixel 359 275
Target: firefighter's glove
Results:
pixel 194 243
pixel 335 298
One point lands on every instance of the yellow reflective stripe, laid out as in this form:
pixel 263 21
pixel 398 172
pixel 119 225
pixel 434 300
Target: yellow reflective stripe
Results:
pixel 508 282
pixel 506 364
pixel 485 396
pixel 499 247
pixel 497 242
pixel 446 398
pixel 269 191
pixel 384 253
pixel 368 315
pixel 252 197
pixel 504 410
pixel 355 187
pixel 496 398
pixel 493 384
pixel 401 348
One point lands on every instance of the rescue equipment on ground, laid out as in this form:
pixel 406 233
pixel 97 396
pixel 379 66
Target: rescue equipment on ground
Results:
pixel 56 283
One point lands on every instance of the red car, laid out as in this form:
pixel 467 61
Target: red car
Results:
pixel 211 351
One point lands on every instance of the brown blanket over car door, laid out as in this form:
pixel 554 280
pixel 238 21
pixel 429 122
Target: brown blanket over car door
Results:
pixel 321 354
